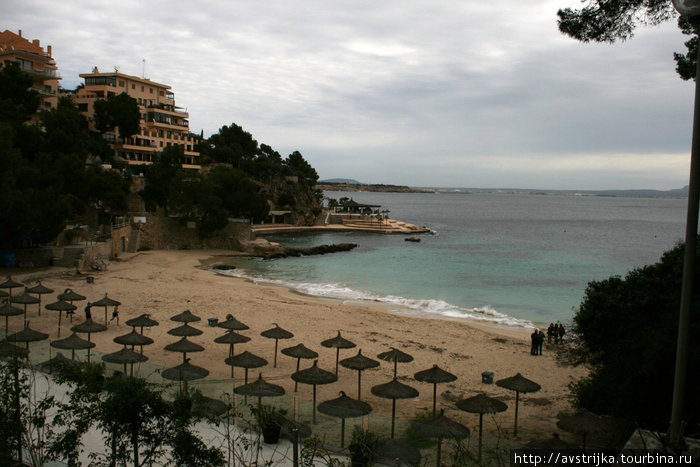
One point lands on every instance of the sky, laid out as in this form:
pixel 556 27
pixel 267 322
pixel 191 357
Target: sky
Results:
pixel 438 93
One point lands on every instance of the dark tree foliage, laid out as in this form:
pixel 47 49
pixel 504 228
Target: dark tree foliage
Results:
pixel 612 20
pixel 302 169
pixel 240 196
pixel 44 182
pixel 120 111
pixel 628 330
pixel 233 145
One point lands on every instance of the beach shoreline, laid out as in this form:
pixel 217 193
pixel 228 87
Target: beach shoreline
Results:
pixel 165 283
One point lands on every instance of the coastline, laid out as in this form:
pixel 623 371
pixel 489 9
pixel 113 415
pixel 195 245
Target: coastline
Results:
pixel 164 283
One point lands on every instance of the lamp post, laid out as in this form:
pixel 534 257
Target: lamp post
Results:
pixel 691 9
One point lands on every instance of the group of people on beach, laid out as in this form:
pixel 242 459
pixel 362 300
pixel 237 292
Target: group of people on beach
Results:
pixel 555 331
pixel 115 313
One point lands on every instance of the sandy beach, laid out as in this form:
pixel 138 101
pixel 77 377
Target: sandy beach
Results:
pixel 165 283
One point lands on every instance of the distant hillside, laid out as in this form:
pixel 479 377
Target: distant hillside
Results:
pixel 327 185
pixel 345 181
pixel 642 193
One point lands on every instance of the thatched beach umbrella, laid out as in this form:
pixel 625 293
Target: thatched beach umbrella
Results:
pixel 185 331
pixel 8 310
pixel 394 390
pixel 4 294
pixel 24 299
pixel 276 333
pixel 231 338
pixel 9 284
pixel 88 327
pixel 125 356
pixel 69 296
pixel 551 444
pixel 435 375
pixel 481 404
pixel 143 321
pixel 518 383
pixel 582 423
pixel 8 350
pixel 232 324
pixel 360 363
pixel 105 302
pixel 246 360
pixel 184 346
pixel 299 351
pixel 39 290
pixel 259 388
pixel 27 335
pixel 185 317
pixel 314 376
pixel 395 355
pixel 338 342
pixel 133 339
pixel 393 452
pixel 184 373
pixel 344 407
pixel 72 343
pixel 60 306
pixel 440 427
pixel 208 407
pixel 57 362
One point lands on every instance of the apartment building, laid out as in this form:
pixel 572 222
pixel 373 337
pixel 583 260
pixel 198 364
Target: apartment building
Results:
pixel 162 124
pixel 34 60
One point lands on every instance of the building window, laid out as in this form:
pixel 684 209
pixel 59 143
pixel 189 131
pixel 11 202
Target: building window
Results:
pixel 133 86
pixel 142 89
pixel 150 90
pixel 121 83
pixel 167 134
pixel 83 107
pixel 162 93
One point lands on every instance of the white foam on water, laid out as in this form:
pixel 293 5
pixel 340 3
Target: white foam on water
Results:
pixel 428 307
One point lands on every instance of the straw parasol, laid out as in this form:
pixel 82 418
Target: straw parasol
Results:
pixel 133 339
pixel 246 360
pixel 299 351
pixel 24 299
pixel 69 296
pixel 435 375
pixel 314 376
pixel 395 355
pixel 59 361
pixel 105 302
pixel 338 342
pixel 259 388
pixel 143 321
pixel 394 390
pixel 440 427
pixel 232 324
pixel 582 423
pixel 518 383
pixel 39 290
pixel 359 362
pixel 276 333
pixel 184 373
pixel 344 407
pixel 481 404
pixel 10 350
pixel 553 443
pixel 88 327
pixel 60 306
pixel 184 346
pixel 8 310
pixel 123 357
pixel 10 284
pixel 231 338
pixel 27 335
pixel 4 294
pixel 209 407
pixel 185 317
pixel 72 343
pixel 185 331
pixel 393 452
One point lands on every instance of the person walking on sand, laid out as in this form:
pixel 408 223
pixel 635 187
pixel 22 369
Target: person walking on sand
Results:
pixel 562 331
pixel 556 332
pixel 115 315
pixel 88 311
pixel 540 342
pixel 533 337
pixel 550 333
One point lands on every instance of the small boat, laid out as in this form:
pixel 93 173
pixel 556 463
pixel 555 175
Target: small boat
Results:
pixel 412 238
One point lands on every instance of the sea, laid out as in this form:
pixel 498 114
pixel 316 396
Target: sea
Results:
pixel 513 259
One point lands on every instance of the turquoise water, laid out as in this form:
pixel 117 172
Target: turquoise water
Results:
pixel 512 258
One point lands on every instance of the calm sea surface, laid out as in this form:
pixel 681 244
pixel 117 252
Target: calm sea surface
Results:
pixel 512 258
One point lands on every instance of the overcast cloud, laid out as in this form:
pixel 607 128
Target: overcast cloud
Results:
pixel 422 93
